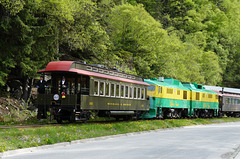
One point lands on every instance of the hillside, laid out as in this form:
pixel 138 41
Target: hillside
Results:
pixel 14 110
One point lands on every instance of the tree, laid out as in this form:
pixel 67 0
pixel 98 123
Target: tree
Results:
pixel 87 38
pixel 30 36
pixel 135 36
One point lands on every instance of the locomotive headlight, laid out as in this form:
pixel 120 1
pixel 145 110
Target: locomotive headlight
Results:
pixel 56 97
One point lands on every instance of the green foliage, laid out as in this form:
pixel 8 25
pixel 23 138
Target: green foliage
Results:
pixel 88 38
pixel 141 40
pixel 190 40
pixel 135 36
pixel 207 25
pixel 30 36
pixel 12 7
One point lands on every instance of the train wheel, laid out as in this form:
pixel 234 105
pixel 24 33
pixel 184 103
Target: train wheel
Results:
pixel 237 115
pixel 220 115
pixel 211 113
pixel 180 114
pixel 196 114
pixel 72 118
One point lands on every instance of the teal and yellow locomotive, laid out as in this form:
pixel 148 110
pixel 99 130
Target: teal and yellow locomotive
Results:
pixel 204 103
pixel 169 98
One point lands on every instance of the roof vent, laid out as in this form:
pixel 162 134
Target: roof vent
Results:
pixel 160 79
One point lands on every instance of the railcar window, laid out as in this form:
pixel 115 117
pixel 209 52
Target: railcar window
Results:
pixel 135 92
pixel 143 93
pixel 96 89
pixel 210 96
pixel 117 90
pixel 169 91
pixel 184 94
pixel 216 96
pixel 107 89
pixel 151 88
pixel 178 92
pixel 227 101
pixel 89 68
pixel 84 84
pixel 95 69
pixel 238 101
pixel 113 88
pixel 233 101
pixel 101 89
pixel 71 86
pixel 197 95
pixel 127 91
pixel 122 91
pixel 203 95
pixel 139 93
pixel 131 92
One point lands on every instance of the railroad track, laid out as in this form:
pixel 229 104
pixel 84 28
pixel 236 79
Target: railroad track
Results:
pixel 54 124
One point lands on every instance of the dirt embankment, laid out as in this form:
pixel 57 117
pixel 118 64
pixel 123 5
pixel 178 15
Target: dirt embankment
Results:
pixel 14 110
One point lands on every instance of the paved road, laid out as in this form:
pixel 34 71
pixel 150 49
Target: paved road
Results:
pixel 215 141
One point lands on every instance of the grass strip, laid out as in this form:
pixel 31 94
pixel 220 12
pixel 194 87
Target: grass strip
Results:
pixel 17 138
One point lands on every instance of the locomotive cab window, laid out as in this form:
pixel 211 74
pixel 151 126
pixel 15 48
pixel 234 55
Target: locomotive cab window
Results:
pixel 60 84
pixel 184 94
pixel 151 88
pixel 71 85
pixel 197 95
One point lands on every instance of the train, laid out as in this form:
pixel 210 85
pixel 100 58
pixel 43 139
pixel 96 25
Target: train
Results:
pixel 95 89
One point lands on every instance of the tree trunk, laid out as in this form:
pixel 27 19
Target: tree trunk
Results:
pixel 25 89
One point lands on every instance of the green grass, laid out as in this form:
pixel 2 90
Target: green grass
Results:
pixel 16 138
